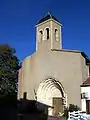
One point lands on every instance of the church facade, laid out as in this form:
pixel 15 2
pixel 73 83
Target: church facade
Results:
pixel 53 75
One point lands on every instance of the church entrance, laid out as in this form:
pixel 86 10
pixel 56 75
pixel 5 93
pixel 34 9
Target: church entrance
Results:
pixel 51 93
pixel 57 106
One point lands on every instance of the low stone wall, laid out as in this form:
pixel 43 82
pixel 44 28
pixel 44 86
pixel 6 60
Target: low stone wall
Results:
pixel 55 118
pixel 31 117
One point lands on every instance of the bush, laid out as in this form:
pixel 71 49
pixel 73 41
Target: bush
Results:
pixel 66 113
pixel 73 107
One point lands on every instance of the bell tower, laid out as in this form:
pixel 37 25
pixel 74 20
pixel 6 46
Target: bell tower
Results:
pixel 48 33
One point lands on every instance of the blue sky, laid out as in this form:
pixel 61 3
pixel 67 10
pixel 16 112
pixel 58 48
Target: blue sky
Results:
pixel 18 19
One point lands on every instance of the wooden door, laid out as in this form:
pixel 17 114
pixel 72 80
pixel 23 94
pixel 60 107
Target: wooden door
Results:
pixel 58 106
pixel 88 106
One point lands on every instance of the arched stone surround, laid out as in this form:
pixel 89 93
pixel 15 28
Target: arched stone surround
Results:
pixel 48 89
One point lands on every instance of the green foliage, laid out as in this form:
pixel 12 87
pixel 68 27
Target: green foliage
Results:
pixel 73 107
pixel 66 113
pixel 9 65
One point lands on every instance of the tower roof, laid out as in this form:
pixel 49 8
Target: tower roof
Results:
pixel 47 17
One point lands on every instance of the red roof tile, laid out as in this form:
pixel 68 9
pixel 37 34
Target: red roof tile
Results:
pixel 87 81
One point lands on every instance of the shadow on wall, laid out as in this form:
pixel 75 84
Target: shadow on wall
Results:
pixel 22 109
pixel 32 110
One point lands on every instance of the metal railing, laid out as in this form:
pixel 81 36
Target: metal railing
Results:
pixel 78 115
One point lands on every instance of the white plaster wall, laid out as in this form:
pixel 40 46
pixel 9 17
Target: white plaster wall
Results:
pixel 27 80
pixel 85 69
pixel 83 101
pixel 56 44
pixel 64 66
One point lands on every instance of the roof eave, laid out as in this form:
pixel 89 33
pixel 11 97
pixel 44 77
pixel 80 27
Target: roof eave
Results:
pixel 51 19
pixel 86 58
pixel 85 85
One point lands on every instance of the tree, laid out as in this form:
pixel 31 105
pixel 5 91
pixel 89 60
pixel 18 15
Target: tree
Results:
pixel 9 66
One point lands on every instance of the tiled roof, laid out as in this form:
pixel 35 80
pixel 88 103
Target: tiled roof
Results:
pixel 47 17
pixel 86 82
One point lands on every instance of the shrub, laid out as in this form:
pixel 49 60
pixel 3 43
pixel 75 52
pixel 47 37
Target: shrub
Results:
pixel 73 107
pixel 66 113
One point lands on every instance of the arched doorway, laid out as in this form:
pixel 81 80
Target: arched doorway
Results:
pixel 51 92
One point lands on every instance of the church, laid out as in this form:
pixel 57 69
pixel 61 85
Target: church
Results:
pixel 53 75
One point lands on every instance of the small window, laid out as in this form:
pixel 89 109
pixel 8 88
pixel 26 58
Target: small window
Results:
pixel 55 30
pixel 56 34
pixel 47 30
pixel 84 95
pixel 41 35
pixel 25 95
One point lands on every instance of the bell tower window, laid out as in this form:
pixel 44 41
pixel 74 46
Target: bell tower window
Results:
pixel 41 34
pixel 25 95
pixel 56 34
pixel 47 33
